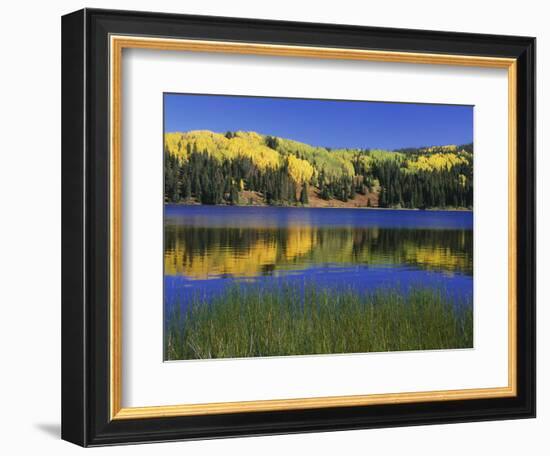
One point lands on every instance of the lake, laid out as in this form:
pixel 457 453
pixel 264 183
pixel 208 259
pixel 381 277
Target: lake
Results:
pixel 210 248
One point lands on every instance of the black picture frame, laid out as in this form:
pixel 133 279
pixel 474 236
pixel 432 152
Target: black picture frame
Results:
pixel 85 225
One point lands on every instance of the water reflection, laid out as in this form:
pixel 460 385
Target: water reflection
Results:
pixel 214 242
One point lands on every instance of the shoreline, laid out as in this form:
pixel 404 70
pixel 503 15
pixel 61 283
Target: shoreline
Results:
pixel 432 209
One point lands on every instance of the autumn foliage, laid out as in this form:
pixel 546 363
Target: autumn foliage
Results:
pixel 214 168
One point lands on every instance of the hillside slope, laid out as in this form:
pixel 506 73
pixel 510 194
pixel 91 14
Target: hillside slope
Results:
pixel 251 168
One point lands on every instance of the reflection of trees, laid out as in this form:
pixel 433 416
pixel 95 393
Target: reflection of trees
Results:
pixel 199 252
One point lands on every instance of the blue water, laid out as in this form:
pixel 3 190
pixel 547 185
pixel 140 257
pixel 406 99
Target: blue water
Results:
pixel 208 249
pixel 363 279
pixel 242 216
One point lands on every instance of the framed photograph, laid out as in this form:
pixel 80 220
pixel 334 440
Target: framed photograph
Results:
pixel 278 227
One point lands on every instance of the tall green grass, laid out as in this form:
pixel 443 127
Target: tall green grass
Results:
pixel 291 320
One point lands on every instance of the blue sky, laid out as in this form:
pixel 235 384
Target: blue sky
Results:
pixel 353 124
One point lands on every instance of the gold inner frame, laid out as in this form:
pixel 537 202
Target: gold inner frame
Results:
pixel 117 44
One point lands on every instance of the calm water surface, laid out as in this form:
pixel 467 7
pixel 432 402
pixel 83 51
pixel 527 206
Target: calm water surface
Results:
pixel 208 248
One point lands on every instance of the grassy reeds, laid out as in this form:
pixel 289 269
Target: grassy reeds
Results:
pixel 290 320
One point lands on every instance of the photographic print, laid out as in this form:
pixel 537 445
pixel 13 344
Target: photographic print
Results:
pixel 300 196
pixel 309 226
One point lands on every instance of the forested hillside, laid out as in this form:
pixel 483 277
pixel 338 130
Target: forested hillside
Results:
pixel 243 168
